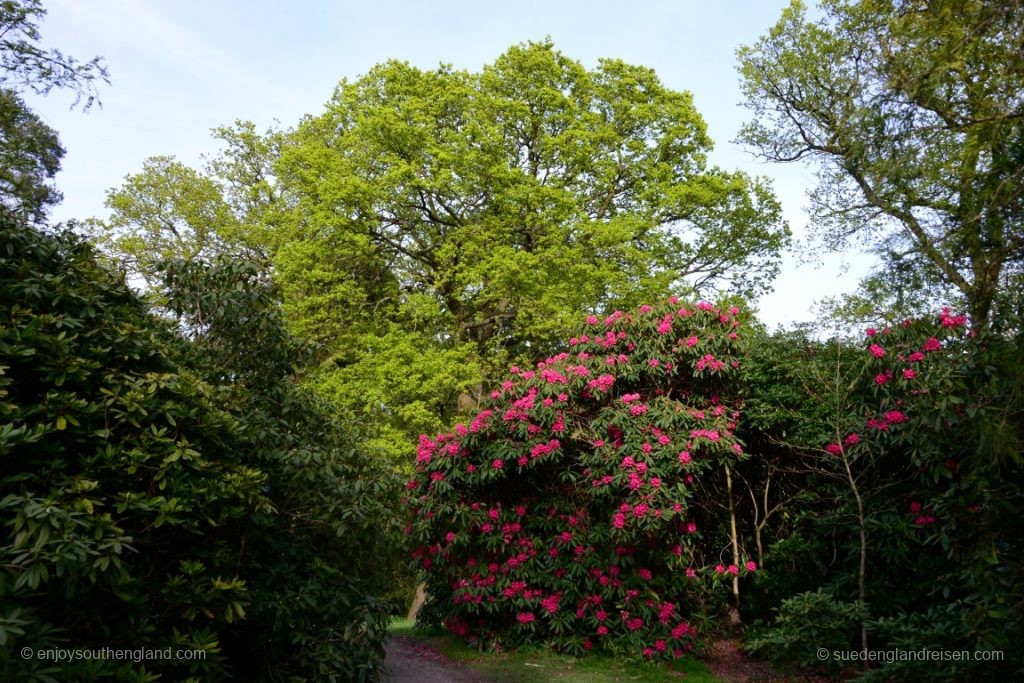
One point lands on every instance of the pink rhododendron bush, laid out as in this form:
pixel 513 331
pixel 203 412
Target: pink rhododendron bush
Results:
pixel 569 510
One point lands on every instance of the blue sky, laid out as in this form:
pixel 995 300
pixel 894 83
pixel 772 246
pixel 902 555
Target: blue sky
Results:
pixel 182 67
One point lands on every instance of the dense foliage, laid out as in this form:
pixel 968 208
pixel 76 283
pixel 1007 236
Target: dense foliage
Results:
pixel 172 474
pixel 570 510
pixel 431 227
pixel 906 456
pixel 158 492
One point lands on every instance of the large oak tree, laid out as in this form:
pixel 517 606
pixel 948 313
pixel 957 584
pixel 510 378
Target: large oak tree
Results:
pixel 432 226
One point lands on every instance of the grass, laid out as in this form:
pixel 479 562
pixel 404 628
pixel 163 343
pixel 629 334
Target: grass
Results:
pixel 540 665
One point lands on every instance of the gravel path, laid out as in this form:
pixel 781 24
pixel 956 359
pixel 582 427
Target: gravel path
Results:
pixel 408 660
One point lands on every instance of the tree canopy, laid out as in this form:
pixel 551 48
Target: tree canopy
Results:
pixel 914 115
pixel 440 224
pixel 30 151
pixel 514 197
pixel 24 64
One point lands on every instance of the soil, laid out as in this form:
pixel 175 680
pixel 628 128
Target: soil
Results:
pixel 730 664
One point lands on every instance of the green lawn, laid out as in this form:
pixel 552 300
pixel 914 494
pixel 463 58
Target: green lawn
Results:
pixel 542 665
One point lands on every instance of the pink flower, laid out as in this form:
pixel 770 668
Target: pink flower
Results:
pixel 852 439
pixel 909 374
pixel 915 507
pixel 525 617
pixel 948 320
pixel 684 457
pixel 834 448
pixel 876 351
pixel 895 417
pixel 691 573
pixel 751 566
pixel 550 603
pixel 871 332
pixel 497 463
pixel 592 320
pixel 719 568
pixel 881 378
pixel 932 344
pixel 733 569
pixel 602 630
pixel 692 341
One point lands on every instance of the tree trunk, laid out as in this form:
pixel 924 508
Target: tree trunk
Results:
pixel 417 602
pixel 735 542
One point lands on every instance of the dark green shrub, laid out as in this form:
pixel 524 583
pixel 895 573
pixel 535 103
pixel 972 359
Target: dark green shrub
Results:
pixel 155 494
pixel 806 625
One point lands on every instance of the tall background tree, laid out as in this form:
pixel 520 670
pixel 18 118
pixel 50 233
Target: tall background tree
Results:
pixel 433 226
pixel 30 151
pixel 913 114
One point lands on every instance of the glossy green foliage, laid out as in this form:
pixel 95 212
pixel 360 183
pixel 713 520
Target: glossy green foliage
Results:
pixel 926 417
pixel 164 492
pixel 579 508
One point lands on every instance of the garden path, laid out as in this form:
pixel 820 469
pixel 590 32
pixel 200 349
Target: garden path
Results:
pixel 408 660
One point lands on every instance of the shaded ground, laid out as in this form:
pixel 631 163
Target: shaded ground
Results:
pixel 409 660
pixel 730 664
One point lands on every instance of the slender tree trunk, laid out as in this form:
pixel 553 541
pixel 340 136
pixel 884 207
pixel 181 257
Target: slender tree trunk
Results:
pixel 863 569
pixel 735 541
pixel 417 602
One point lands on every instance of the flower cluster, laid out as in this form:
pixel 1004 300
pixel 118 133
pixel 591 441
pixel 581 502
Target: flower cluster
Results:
pixel 564 510
pixel 906 364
